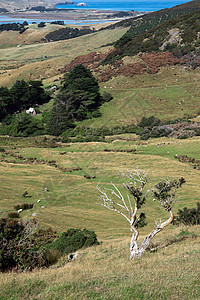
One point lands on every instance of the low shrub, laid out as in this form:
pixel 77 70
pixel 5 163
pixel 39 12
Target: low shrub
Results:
pixel 183 136
pixel 152 127
pixel 86 139
pixel 90 134
pixel 21 125
pixel 14 215
pixel 197 132
pixel 24 206
pixel 149 122
pixel 188 216
pixel 22 246
pixel 160 131
pixel 66 33
pixel 74 239
pixel 107 97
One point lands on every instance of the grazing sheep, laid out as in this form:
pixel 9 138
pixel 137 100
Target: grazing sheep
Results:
pixel 34 215
pixel 20 210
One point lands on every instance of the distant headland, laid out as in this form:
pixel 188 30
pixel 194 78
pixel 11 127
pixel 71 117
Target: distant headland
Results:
pixel 66 3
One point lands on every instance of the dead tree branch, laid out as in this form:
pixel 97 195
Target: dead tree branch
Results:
pixel 164 192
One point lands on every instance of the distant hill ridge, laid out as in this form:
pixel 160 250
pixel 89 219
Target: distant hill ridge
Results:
pixel 11 5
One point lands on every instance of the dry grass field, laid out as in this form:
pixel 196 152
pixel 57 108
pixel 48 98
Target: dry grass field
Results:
pixel 32 35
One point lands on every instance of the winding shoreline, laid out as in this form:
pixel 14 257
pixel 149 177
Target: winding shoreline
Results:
pixel 71 14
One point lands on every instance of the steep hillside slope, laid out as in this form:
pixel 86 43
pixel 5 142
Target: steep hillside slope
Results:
pixel 180 35
pixel 105 272
pixel 143 23
pixel 146 26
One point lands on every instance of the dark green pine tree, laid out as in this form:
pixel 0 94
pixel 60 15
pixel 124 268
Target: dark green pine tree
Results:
pixel 77 99
pixel 36 94
pixel 60 120
pixel 19 91
pixel 84 86
pixel 5 102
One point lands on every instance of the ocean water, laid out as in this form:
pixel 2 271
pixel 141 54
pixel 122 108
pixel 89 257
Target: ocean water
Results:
pixel 125 5
pixel 118 5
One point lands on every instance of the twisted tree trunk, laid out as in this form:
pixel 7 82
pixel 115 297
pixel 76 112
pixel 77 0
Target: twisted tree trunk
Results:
pixel 133 245
pixel 136 251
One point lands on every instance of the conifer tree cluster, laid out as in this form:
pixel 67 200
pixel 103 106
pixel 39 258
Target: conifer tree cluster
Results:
pixel 78 99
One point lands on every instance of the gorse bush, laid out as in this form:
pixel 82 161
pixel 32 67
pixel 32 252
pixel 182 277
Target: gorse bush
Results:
pixel 23 206
pixel 188 216
pixel 153 127
pixel 66 33
pixel 14 215
pixel 149 122
pixel 73 240
pixel 22 246
pixel 89 134
pixel 12 26
pixel 107 96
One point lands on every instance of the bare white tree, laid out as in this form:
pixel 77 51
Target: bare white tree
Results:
pixel 164 192
pixel 30 227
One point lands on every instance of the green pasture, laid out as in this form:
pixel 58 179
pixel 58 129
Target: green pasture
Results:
pixel 72 200
pixel 170 94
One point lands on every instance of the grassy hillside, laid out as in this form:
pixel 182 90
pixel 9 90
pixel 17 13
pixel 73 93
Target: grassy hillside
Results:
pixel 31 36
pixel 148 32
pixel 104 271
pixel 64 177
pixel 169 94
pixel 43 60
pixel 11 5
pixel 144 23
